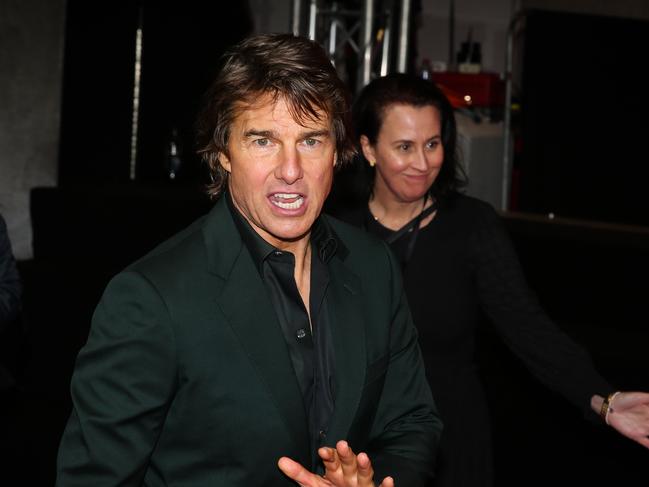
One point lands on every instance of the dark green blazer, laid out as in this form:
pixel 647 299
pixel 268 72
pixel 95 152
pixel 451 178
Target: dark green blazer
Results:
pixel 186 379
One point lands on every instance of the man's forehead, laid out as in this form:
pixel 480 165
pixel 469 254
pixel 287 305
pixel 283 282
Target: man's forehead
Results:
pixel 252 112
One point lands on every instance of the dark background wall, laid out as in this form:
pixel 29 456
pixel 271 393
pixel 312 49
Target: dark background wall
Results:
pixel 585 150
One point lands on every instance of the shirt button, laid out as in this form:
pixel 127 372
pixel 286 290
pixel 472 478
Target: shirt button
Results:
pixel 301 333
pixel 278 253
pixel 322 434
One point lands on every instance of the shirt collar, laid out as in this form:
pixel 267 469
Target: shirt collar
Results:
pixel 323 238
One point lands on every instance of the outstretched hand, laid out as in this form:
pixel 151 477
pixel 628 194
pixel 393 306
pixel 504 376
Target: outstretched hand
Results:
pixel 343 468
pixel 629 415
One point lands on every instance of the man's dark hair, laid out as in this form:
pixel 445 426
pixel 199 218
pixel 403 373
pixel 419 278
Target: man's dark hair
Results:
pixel 282 66
pixel 403 89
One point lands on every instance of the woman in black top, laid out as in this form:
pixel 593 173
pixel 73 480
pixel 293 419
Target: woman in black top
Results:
pixel 459 263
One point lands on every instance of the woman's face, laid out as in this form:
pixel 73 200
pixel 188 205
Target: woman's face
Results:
pixel 408 151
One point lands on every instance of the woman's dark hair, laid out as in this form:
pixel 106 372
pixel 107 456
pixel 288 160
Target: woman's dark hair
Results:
pixel 282 66
pixel 403 89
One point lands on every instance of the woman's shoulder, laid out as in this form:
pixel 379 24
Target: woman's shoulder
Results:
pixel 467 208
pixel 479 223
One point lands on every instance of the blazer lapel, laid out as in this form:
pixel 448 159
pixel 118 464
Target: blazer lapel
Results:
pixel 245 303
pixel 348 335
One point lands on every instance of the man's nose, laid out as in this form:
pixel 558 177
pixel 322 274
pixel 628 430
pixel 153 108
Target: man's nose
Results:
pixel 289 167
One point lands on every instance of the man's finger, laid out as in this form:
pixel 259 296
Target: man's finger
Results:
pixel 299 474
pixel 331 461
pixel 365 470
pixel 328 454
pixel 347 459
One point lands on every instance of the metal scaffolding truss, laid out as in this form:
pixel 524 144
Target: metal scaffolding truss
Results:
pixel 357 34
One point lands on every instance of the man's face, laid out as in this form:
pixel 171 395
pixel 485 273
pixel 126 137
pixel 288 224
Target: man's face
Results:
pixel 280 170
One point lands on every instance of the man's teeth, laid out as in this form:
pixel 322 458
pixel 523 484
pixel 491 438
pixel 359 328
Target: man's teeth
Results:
pixel 297 202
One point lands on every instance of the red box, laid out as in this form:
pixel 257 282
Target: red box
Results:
pixel 485 89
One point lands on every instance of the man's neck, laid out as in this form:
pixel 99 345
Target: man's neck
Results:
pixel 302 274
pixel 301 250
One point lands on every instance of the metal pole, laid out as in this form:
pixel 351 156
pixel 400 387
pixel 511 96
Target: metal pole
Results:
pixel 313 12
pixel 296 17
pixel 332 32
pixel 451 36
pixel 135 114
pixel 507 116
pixel 404 27
pixel 366 44
pixel 385 52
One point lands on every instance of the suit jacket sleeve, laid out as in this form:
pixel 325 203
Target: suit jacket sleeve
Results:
pixel 122 384
pixel 406 428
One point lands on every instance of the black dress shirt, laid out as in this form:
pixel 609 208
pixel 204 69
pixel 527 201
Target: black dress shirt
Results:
pixel 309 343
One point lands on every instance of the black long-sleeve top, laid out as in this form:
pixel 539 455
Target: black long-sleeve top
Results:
pixel 462 267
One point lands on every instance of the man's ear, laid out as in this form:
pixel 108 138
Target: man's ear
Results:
pixel 225 162
pixel 368 150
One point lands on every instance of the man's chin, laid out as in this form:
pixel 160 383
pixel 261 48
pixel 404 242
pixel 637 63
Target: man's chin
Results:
pixel 290 235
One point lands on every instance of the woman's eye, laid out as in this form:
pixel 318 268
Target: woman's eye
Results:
pixel 432 144
pixel 404 147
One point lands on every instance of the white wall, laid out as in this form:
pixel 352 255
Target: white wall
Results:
pixel 31 54
pixel 488 20
pixel 271 16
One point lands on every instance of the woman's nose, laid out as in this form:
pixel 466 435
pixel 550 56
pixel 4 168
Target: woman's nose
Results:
pixel 420 160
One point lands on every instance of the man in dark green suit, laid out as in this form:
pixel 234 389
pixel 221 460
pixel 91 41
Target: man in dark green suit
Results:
pixel 265 344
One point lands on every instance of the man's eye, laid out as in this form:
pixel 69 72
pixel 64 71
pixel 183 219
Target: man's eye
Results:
pixel 262 142
pixel 311 142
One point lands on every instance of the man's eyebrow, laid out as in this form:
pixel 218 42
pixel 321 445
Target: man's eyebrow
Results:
pixel 272 134
pixel 260 133
pixel 316 133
